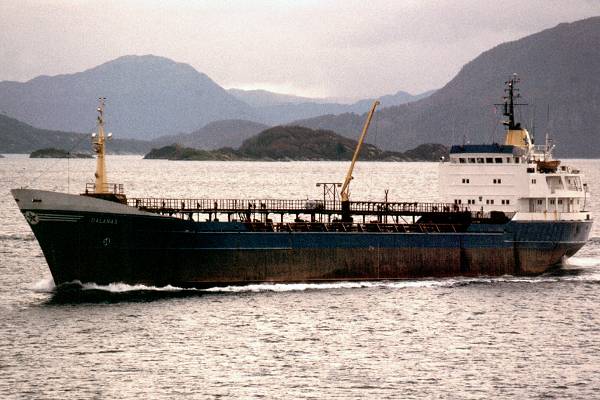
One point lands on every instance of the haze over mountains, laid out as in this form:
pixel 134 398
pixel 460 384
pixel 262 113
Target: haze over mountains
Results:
pixel 275 108
pixel 227 133
pixel 558 68
pixel 148 96
pixel 19 137
pixel 151 96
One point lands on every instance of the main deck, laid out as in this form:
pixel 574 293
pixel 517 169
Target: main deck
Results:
pixel 272 215
pixel 314 210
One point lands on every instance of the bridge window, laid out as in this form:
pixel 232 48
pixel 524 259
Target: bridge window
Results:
pixel 489 160
pixel 505 201
pixel 517 160
pixel 461 160
pixel 479 160
pixel 465 180
pixel 471 160
pixel 498 160
pixel 508 160
pixel 497 181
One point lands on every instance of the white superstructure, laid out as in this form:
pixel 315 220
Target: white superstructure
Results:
pixel 515 177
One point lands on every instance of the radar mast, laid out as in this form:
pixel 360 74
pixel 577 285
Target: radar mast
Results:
pixel 516 135
pixel 99 140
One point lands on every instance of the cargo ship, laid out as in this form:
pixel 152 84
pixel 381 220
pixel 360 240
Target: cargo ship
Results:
pixel 507 208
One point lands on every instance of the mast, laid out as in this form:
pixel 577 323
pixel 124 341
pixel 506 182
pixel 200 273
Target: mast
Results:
pixel 509 102
pixel 345 192
pixel 516 135
pixel 99 140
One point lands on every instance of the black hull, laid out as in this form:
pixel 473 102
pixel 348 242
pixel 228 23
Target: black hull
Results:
pixel 163 251
pixel 143 248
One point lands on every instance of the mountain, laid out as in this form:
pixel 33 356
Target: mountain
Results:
pixel 395 99
pixel 558 68
pixel 297 143
pixel 19 137
pixel 276 108
pixel 264 98
pixel 147 96
pixel 227 133
pixel 150 96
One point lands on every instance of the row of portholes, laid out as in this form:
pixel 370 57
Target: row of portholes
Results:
pixel 487 201
pixel 488 160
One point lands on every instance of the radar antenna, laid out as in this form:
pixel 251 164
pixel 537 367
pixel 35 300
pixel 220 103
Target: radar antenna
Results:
pixel 509 104
pixel 516 135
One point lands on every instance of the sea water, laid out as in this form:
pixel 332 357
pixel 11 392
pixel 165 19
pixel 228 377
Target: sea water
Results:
pixel 501 337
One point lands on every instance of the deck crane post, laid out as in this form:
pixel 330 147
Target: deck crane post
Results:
pixel 345 192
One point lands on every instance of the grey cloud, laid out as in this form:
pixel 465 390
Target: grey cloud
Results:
pixel 338 48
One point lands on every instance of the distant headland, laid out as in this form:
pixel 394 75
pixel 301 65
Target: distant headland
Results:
pixel 52 152
pixel 295 143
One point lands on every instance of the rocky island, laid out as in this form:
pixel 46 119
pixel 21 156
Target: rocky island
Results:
pixel 52 152
pixel 295 143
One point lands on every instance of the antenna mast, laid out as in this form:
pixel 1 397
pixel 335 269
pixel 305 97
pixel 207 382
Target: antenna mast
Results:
pixel 99 140
pixel 509 104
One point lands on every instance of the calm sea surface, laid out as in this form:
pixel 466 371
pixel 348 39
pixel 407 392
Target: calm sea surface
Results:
pixel 441 338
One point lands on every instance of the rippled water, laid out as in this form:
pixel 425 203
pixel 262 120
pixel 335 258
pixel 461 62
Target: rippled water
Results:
pixel 504 337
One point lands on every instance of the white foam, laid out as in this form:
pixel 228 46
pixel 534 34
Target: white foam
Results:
pixel 288 287
pixel 120 287
pixel 583 261
pixel 291 287
pixel 45 285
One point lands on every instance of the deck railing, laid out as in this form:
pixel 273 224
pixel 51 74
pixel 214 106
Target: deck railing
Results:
pixel 114 188
pixel 291 206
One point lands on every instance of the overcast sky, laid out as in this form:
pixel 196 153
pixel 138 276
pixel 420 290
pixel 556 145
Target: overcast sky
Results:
pixel 345 48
